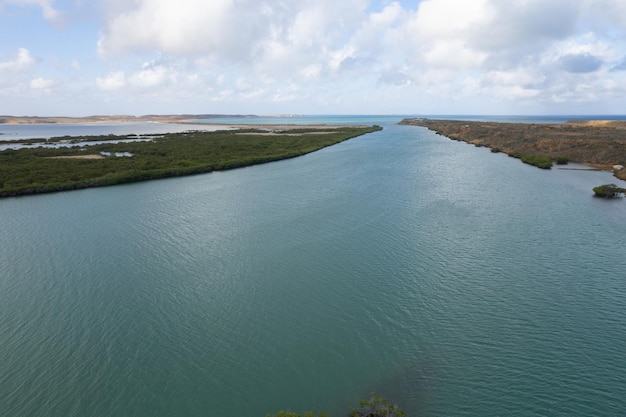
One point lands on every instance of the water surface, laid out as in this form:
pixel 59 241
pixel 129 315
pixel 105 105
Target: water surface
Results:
pixel 455 281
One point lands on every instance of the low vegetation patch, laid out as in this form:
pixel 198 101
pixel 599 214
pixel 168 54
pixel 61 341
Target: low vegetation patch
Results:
pixel 600 143
pixel 374 406
pixel 608 191
pixel 539 161
pixel 40 170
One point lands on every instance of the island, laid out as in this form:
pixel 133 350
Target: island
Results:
pixel 69 163
pixel 600 144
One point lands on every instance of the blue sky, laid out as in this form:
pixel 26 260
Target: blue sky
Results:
pixel 82 57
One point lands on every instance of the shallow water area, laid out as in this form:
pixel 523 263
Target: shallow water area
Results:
pixel 43 130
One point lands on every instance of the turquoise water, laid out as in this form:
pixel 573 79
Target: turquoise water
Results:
pixel 455 281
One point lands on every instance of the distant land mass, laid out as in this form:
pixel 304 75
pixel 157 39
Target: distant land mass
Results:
pixel 598 143
pixel 167 118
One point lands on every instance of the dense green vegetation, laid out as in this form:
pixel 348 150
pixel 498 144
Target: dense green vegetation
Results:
pixel 377 407
pixel 38 170
pixel 608 191
pixel 540 161
pixel 373 407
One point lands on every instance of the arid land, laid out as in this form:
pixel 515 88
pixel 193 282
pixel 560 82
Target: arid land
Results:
pixel 598 143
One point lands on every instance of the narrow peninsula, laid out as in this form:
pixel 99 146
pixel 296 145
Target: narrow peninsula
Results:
pixel 599 143
pixel 68 163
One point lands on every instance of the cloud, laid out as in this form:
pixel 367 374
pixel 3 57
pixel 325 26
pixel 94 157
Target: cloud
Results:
pixel 621 66
pixel 580 63
pixel 265 36
pixel 149 77
pixel 49 13
pixel 489 31
pixel 19 63
pixel 224 27
pixel 112 81
pixel 241 51
pixel 41 84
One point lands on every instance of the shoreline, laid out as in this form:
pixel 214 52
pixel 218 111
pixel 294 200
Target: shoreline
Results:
pixel 599 144
pixel 97 119
pixel 44 170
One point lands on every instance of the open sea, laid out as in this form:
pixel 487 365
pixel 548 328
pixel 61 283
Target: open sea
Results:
pixel 454 281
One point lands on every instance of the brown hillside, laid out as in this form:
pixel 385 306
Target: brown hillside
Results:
pixel 599 143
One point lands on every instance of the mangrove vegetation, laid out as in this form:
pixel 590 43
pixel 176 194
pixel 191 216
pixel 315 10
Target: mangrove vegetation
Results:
pixel 374 406
pixel 32 170
pixel 608 191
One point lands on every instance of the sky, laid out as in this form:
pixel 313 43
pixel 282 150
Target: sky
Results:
pixel 136 57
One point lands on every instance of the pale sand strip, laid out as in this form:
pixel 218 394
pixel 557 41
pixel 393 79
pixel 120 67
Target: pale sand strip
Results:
pixel 91 156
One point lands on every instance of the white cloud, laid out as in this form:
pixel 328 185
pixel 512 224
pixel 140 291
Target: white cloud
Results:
pixel 22 60
pixel 41 84
pixel 310 52
pixel 49 13
pixel 450 19
pixel 149 77
pixel 453 54
pixel 111 82
pixel 266 36
pixel 224 27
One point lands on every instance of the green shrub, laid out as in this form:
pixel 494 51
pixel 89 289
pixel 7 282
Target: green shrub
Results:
pixel 539 161
pixel 375 406
pixel 608 191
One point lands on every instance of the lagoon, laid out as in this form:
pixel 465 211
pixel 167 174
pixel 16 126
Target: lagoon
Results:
pixel 15 132
pixel 454 281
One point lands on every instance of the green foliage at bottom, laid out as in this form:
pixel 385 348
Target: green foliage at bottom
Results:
pixel 377 407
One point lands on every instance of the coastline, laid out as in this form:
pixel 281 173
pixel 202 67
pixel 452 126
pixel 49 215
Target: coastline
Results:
pixel 168 118
pixel 599 144
pixel 36 170
pixel 192 122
